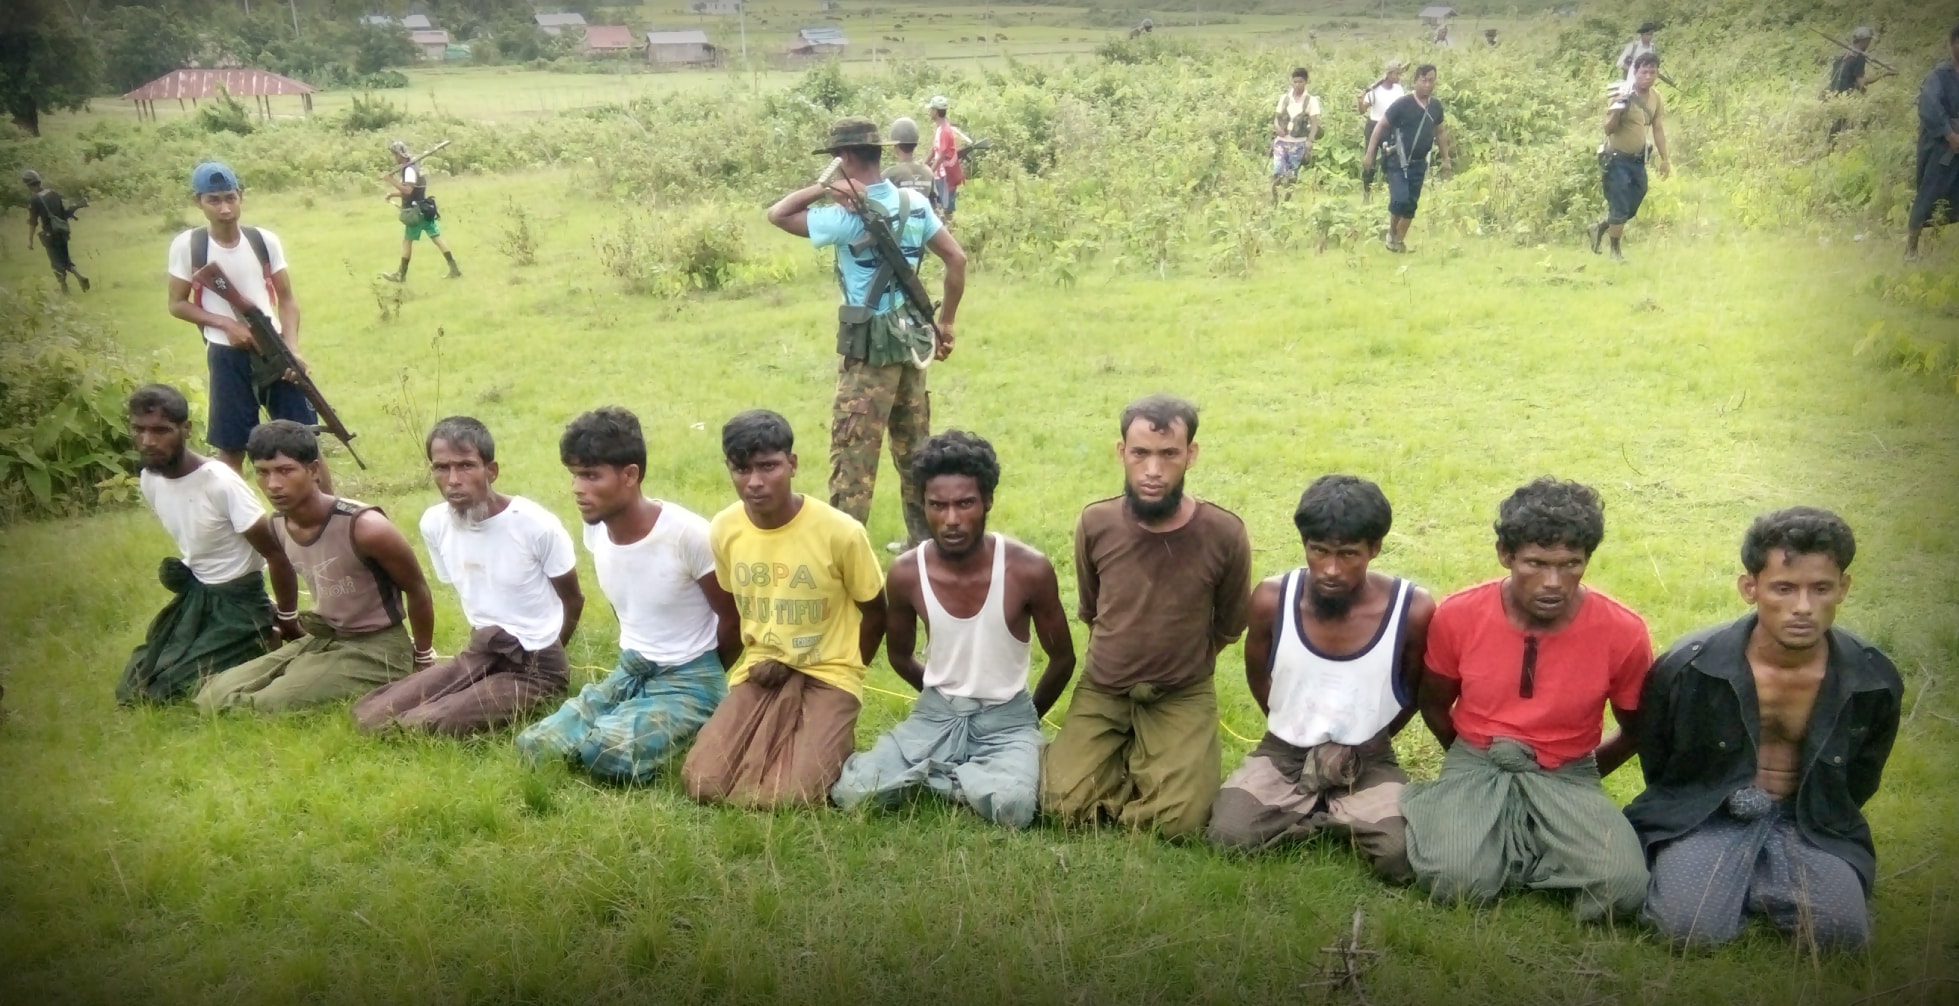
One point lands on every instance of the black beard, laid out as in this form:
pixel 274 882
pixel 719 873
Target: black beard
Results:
pixel 1333 607
pixel 1151 513
pixel 169 463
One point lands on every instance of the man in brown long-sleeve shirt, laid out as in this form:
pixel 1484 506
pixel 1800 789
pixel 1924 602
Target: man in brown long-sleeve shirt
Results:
pixel 1165 582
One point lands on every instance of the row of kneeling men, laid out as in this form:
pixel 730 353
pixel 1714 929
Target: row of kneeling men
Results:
pixel 748 634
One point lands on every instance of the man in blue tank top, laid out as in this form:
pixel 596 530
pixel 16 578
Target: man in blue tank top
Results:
pixel 1333 653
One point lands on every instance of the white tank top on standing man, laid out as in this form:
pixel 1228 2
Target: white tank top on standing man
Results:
pixel 1317 697
pixel 1380 96
pixel 977 657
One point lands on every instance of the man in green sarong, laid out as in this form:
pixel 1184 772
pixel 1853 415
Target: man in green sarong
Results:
pixel 219 617
pixel 1518 674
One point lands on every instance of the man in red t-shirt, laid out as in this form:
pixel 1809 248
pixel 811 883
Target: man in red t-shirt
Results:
pixel 947 173
pixel 1519 672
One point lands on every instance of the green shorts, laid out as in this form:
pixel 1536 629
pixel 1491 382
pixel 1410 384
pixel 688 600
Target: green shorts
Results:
pixel 414 232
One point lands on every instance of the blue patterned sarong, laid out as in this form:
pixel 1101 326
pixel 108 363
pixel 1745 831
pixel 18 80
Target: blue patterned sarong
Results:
pixel 624 727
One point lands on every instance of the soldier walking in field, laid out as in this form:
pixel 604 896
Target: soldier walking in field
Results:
pixel 883 344
pixel 418 212
pixel 1938 147
pixel 50 217
pixel 1634 125
pixel 1408 130
pixel 1636 48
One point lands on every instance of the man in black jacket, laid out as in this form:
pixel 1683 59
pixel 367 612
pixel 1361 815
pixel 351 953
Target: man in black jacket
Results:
pixel 1761 740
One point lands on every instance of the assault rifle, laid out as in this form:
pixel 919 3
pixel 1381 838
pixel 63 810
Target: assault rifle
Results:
pixel 1853 50
pixel 272 359
pixel 916 303
pixel 417 159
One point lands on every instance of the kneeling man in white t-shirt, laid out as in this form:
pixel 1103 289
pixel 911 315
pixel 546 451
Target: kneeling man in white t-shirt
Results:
pixel 220 617
pixel 514 570
pixel 678 629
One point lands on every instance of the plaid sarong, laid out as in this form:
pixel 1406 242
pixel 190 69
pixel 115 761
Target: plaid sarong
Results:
pixel 626 726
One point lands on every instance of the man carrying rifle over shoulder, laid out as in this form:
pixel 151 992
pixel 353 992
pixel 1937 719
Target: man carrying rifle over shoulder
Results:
pixel 1635 123
pixel 418 211
pixel 1938 148
pixel 886 331
pixel 255 262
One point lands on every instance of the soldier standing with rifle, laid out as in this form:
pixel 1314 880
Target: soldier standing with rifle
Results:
pixel 1938 146
pixel 255 262
pixel 886 331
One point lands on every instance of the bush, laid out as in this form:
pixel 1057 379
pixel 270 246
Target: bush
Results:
pixel 673 256
pixel 369 114
pixel 225 114
pixel 64 433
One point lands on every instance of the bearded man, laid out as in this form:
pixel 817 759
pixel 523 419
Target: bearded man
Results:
pixel 1164 580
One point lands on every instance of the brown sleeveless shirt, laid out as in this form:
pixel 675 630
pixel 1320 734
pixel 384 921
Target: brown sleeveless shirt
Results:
pixel 352 594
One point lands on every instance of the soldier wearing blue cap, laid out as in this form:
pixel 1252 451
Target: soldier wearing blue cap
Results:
pixel 255 262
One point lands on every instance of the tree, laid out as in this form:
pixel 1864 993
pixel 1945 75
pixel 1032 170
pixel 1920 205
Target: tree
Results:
pixel 45 63
pixel 140 44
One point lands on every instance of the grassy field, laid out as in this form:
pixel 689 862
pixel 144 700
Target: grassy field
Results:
pixel 153 856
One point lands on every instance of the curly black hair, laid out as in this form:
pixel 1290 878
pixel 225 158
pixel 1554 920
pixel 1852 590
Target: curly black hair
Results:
pixel 956 452
pixel 283 436
pixel 757 431
pixel 1551 513
pixel 1799 530
pixel 1343 508
pixel 604 436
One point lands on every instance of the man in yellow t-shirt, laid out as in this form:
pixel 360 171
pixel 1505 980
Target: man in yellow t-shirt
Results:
pixel 1635 117
pixel 810 595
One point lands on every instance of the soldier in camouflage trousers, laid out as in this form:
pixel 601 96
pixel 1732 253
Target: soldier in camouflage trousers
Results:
pixel 883 350
pixel 873 402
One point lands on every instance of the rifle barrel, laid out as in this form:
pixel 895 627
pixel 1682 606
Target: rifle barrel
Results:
pixel 1847 48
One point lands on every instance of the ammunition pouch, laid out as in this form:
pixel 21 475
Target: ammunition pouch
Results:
pixel 883 340
pixel 854 331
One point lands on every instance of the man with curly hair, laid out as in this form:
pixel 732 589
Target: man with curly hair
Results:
pixel 1761 740
pixel 975 735
pixel 1518 674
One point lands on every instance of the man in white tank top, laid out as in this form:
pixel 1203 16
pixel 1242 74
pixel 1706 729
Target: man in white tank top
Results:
pixel 974 736
pixel 1333 654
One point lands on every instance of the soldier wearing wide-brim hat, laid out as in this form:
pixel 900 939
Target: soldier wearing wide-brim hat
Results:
pixel 884 342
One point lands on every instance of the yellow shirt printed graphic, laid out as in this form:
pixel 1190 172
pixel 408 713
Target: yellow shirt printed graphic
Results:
pixel 796 588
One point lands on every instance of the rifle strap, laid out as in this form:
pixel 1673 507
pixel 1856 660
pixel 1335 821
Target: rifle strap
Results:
pixel 887 271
